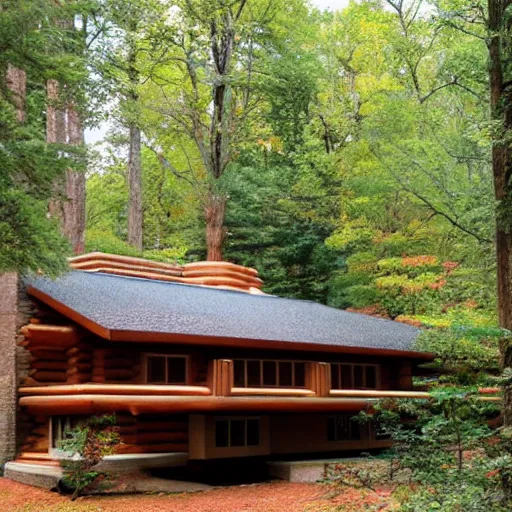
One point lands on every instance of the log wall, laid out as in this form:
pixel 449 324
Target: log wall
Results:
pixel 141 434
pixel 153 433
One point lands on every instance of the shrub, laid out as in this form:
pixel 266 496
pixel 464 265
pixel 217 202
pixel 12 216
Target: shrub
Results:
pixel 87 444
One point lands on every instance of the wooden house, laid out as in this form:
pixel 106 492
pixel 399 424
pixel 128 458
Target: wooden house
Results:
pixel 198 363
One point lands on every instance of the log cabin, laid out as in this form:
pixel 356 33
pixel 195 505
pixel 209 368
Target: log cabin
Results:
pixel 197 363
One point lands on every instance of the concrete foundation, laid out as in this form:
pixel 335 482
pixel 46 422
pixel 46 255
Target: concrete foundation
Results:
pixel 38 475
pixel 303 471
pixel 134 462
pixel 48 476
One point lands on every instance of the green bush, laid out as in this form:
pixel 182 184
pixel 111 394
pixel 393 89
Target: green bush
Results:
pixel 86 444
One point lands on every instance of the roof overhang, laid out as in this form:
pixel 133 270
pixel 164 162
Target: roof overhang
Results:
pixel 218 341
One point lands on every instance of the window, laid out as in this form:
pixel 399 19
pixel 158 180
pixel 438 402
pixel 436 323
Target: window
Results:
pixel 162 369
pixel 354 376
pixel 258 373
pixel 232 432
pixel 342 428
pixel 59 426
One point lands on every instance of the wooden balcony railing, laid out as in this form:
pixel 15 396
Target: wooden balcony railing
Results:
pixel 317 385
pixel 221 384
pixel 116 389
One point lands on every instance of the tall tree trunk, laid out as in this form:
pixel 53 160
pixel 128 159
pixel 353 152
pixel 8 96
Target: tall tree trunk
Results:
pixel 501 105
pixel 135 217
pixel 55 134
pixel 16 79
pixel 215 213
pixel 74 206
pixel 63 126
pixel 135 212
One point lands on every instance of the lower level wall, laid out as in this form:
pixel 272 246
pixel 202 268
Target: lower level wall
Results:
pixel 195 434
pixel 279 435
pixel 139 434
pixel 307 433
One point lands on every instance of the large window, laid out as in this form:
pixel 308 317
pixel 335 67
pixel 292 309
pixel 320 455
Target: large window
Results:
pixel 163 369
pixel 342 428
pixel 230 432
pixel 257 373
pixel 354 376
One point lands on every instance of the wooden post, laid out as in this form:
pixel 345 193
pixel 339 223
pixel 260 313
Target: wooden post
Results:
pixel 318 378
pixel 405 376
pixel 221 377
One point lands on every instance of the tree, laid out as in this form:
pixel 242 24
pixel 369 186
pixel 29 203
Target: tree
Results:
pixel 206 92
pixel 65 125
pixel 29 166
pixel 499 40
pixel 125 28
pixel 489 24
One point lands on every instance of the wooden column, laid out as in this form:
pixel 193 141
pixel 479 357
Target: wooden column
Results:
pixel 98 365
pixel 405 376
pixel 318 378
pixel 221 377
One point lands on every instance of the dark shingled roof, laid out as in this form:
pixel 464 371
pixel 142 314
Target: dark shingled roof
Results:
pixel 145 306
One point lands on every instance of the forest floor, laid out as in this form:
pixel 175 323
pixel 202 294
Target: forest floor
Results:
pixel 268 497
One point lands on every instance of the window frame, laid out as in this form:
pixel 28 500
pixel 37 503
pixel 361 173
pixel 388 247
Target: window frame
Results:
pixel 166 357
pixel 277 378
pixel 63 423
pixel 245 419
pixel 339 365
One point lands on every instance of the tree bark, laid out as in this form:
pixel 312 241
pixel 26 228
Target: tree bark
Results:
pixel 55 134
pixel 215 213
pixel 135 211
pixel 135 217
pixel 74 206
pixel 17 83
pixel 63 126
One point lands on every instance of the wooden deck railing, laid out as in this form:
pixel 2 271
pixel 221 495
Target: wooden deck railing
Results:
pixel 221 384
pixel 116 389
pixel 317 385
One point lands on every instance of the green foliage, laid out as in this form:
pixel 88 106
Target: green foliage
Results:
pixel 454 458
pixel 30 40
pixel 348 138
pixel 86 444
pixel 463 349
pixel 105 241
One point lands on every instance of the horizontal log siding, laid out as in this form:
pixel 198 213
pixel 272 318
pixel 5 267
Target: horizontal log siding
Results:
pixel 153 433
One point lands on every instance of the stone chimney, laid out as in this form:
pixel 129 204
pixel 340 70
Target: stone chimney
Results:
pixel 8 367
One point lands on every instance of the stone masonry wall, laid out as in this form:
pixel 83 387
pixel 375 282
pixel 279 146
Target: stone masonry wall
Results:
pixel 8 375
pixel 15 311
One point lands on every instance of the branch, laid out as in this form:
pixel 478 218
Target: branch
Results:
pixel 166 164
pixel 240 9
pixel 438 88
pixel 451 220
